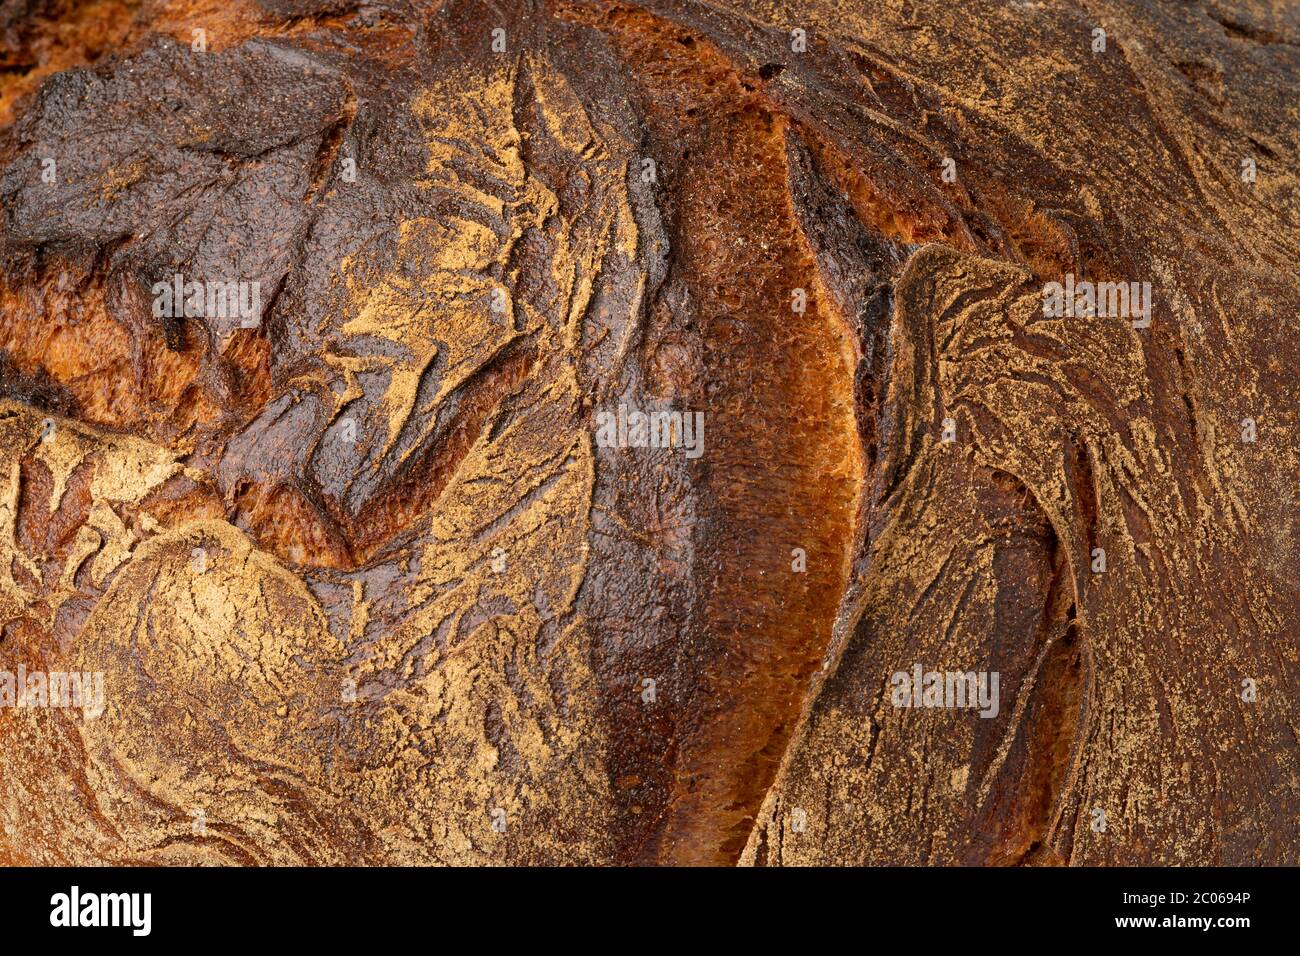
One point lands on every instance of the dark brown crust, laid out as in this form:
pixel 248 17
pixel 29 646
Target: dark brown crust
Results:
pixel 361 579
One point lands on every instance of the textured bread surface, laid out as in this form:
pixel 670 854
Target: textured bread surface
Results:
pixel 363 585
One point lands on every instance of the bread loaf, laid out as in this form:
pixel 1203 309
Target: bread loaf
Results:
pixel 583 432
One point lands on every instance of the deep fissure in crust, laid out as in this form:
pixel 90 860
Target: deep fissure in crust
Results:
pixel 784 465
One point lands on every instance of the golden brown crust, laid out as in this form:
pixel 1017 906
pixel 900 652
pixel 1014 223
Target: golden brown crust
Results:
pixel 363 582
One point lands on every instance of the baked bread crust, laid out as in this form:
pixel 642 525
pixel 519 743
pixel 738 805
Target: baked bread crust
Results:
pixel 363 583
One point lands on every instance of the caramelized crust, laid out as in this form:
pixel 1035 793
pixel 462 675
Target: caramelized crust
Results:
pixel 365 581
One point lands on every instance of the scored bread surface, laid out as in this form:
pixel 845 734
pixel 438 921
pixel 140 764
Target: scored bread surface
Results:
pixel 364 584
